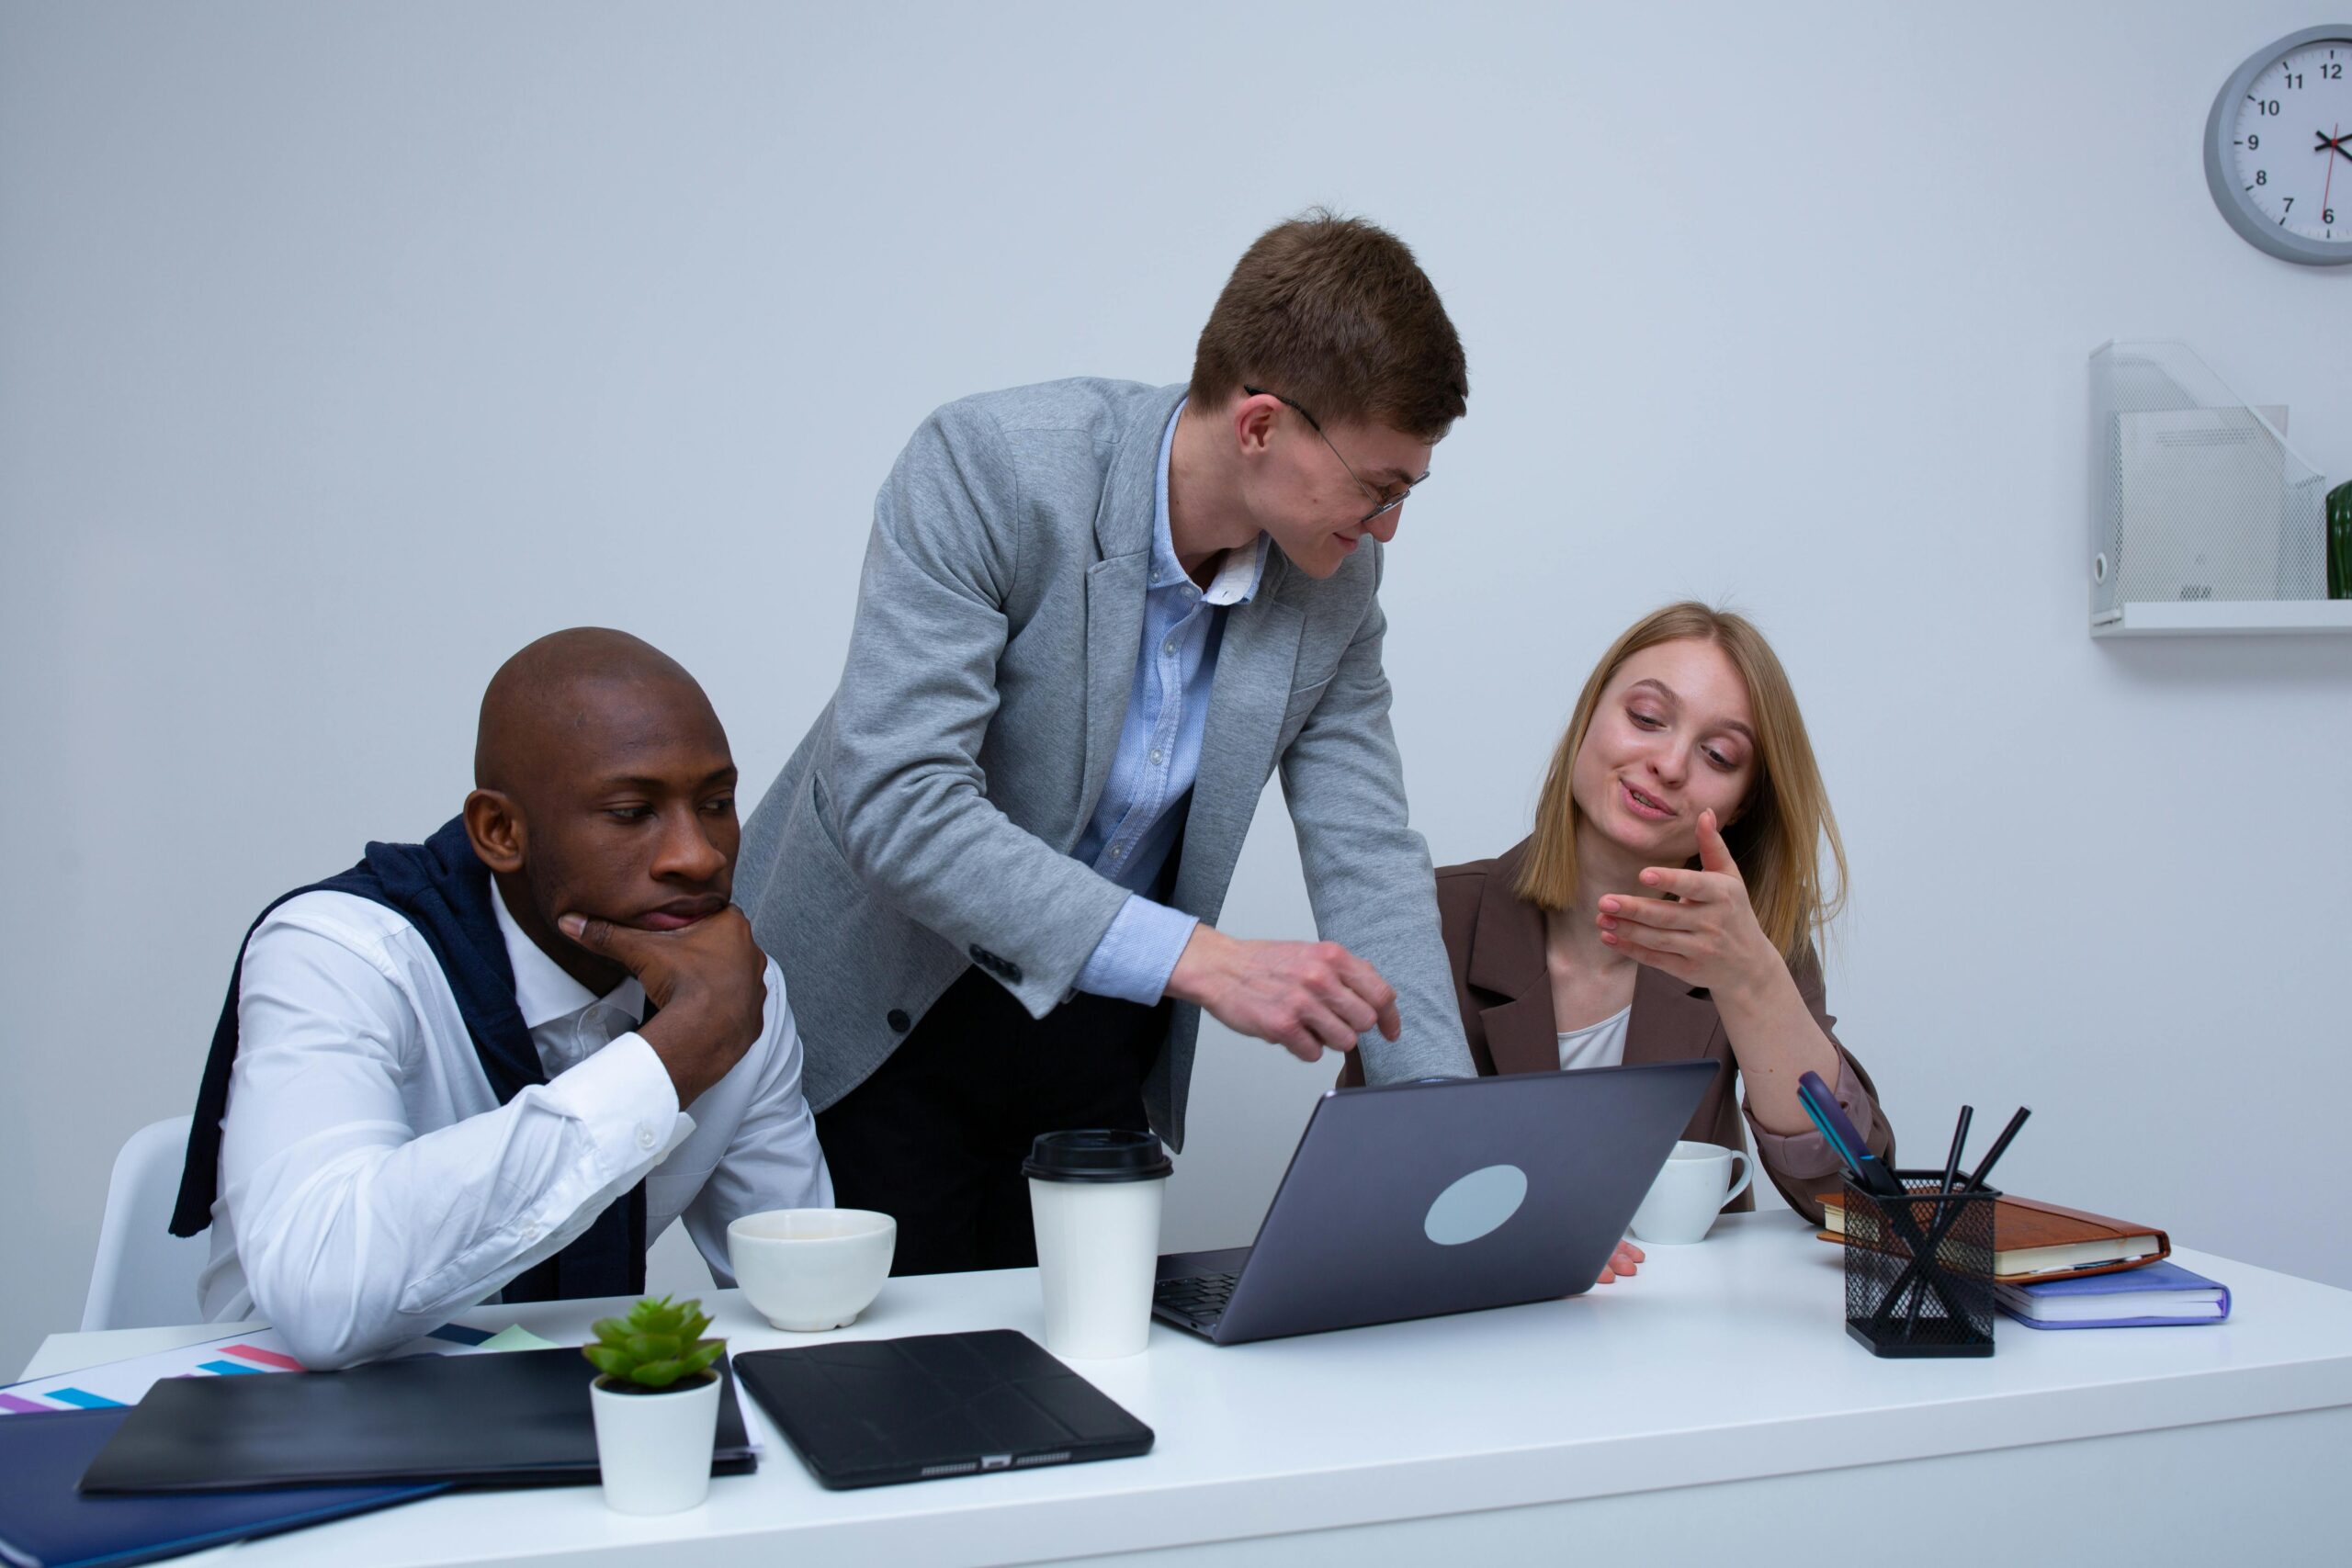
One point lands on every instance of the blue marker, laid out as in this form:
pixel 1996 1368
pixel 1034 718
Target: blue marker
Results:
pixel 1843 1136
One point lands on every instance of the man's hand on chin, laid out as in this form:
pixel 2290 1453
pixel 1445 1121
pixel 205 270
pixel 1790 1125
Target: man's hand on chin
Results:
pixel 705 974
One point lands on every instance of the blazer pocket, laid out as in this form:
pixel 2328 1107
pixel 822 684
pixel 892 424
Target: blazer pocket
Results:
pixel 1304 698
pixel 821 813
pixel 1301 704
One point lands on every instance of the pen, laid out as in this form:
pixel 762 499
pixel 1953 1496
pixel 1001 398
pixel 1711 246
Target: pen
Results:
pixel 1828 1133
pixel 1869 1170
pixel 1951 1170
pixel 1959 1141
pixel 2000 1145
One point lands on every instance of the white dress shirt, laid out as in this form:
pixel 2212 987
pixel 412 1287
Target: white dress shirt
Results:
pixel 370 1183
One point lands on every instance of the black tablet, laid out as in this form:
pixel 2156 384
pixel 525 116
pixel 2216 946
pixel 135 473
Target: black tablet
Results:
pixel 868 1412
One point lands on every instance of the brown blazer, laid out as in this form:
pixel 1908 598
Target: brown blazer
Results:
pixel 1495 941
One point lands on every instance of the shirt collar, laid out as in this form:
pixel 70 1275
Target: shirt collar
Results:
pixel 1236 581
pixel 542 990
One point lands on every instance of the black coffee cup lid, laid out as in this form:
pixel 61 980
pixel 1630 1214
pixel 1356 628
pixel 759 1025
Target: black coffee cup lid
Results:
pixel 1097 1154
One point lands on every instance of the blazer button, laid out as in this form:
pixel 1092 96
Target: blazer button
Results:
pixel 899 1020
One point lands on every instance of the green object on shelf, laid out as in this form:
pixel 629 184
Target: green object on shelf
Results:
pixel 2339 541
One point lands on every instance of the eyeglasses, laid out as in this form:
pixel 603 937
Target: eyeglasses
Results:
pixel 1379 493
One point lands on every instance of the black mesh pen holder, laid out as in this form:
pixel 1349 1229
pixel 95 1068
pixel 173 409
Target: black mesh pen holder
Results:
pixel 1919 1270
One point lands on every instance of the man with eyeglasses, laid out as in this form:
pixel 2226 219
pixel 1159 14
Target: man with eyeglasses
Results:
pixel 1095 616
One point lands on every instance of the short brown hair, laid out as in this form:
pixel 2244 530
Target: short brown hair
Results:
pixel 1781 828
pixel 1335 313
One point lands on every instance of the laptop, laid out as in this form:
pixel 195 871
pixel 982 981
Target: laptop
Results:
pixel 1406 1201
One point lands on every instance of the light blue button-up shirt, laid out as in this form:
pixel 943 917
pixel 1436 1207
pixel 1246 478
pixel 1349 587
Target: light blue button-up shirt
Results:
pixel 1137 822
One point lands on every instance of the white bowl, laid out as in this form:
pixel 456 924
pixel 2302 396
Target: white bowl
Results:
pixel 811 1269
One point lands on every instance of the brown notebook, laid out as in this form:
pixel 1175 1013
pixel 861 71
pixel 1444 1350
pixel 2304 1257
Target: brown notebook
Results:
pixel 2033 1240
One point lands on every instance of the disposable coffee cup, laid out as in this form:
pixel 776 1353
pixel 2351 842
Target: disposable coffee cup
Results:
pixel 1094 1198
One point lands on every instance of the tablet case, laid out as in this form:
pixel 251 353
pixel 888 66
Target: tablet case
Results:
pixel 515 1418
pixel 45 1523
pixel 869 1413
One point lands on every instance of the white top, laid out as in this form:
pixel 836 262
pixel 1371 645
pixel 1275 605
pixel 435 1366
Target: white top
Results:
pixel 1725 1362
pixel 1600 1045
pixel 371 1185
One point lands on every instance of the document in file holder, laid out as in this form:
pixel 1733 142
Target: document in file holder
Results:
pixel 2183 474
pixel 2197 495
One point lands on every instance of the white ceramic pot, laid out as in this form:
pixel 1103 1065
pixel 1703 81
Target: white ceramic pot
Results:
pixel 655 1449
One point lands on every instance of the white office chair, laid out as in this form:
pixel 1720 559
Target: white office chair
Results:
pixel 145 1276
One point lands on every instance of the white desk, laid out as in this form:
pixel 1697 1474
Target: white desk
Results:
pixel 1710 1410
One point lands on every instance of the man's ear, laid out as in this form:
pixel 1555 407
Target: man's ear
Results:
pixel 494 823
pixel 1253 422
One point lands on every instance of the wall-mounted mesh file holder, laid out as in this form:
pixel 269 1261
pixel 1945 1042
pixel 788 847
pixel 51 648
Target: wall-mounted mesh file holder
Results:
pixel 2203 517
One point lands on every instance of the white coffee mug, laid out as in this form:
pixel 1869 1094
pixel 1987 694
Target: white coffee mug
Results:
pixel 1690 1191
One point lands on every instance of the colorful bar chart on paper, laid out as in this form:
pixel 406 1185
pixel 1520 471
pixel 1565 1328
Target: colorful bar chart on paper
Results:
pixel 235 1355
pixel 122 1383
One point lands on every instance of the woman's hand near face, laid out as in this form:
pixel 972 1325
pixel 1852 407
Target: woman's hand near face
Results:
pixel 1709 937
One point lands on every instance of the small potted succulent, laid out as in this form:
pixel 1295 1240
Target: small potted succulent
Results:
pixel 656 1405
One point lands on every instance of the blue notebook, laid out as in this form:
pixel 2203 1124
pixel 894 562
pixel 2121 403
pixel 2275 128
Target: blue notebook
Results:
pixel 46 1522
pixel 2156 1295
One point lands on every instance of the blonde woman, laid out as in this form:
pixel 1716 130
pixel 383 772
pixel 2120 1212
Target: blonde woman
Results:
pixel 1667 906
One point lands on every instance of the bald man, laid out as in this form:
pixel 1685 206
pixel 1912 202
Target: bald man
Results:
pixel 506 1059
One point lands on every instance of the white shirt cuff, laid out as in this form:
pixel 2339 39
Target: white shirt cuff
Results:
pixel 623 1095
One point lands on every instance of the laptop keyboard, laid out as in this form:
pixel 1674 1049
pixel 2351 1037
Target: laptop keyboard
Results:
pixel 1198 1301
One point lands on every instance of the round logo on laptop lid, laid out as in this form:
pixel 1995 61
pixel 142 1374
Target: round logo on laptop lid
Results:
pixel 1476 1205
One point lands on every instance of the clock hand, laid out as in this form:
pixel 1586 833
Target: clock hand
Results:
pixel 2327 143
pixel 2325 211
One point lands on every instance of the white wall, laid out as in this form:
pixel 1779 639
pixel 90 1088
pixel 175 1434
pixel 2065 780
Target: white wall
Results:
pixel 343 349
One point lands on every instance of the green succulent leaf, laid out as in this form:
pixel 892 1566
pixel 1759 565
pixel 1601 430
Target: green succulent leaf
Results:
pixel 656 1345
pixel 659 1374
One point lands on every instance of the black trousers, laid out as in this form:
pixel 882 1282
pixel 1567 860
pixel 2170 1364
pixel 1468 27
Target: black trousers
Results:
pixel 935 1137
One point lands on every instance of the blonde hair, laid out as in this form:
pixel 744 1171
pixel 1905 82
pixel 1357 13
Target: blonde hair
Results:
pixel 1776 835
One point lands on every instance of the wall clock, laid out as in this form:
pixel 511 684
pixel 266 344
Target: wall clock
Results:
pixel 2278 148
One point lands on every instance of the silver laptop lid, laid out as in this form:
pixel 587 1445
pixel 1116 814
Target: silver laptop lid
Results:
pixel 1413 1200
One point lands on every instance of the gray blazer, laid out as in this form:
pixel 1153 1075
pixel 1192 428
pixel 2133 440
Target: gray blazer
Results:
pixel 925 822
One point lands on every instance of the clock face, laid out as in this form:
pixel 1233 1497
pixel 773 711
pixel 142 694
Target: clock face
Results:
pixel 2293 141
pixel 2278 148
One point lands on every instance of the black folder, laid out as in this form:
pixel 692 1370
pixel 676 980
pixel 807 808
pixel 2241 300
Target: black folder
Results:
pixel 515 1418
pixel 871 1412
pixel 45 1523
